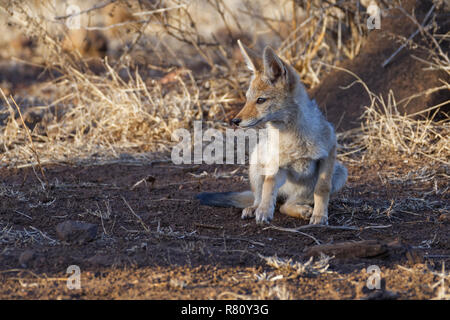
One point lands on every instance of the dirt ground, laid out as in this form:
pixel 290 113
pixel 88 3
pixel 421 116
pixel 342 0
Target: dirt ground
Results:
pixel 154 241
pixel 344 101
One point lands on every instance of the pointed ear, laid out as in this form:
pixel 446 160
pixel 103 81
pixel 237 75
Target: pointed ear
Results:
pixel 252 59
pixel 274 68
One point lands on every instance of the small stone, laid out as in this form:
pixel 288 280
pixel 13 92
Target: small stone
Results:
pixel 100 260
pixel 76 231
pixel 26 257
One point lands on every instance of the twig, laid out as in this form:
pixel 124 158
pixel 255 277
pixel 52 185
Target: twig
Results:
pixel 133 44
pixel 388 60
pixel 207 226
pixel 23 214
pixel 321 226
pixel 116 25
pixel 166 199
pixel 293 231
pixel 33 148
pixel 147 179
pixel 228 238
pixel 437 256
pixel 136 215
pixel 43 234
pixel 316 226
pixel 143 13
pixel 96 7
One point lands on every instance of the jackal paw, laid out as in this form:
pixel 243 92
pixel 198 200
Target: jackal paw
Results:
pixel 264 214
pixel 319 219
pixel 248 213
pixel 305 211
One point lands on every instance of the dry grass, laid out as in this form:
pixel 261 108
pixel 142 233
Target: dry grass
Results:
pixel 440 286
pixel 297 268
pixel 107 115
pixel 121 113
pixel 386 131
pixel 415 137
pixel 169 70
pixel 11 236
pixel 117 112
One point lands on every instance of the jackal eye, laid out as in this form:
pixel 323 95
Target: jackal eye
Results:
pixel 261 100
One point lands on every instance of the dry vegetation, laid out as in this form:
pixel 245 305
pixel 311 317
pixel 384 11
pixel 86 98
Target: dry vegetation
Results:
pixel 85 114
pixel 115 91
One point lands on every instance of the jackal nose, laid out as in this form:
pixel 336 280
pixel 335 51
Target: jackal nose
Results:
pixel 236 121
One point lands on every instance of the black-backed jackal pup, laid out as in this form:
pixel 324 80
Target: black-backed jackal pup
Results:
pixel 307 172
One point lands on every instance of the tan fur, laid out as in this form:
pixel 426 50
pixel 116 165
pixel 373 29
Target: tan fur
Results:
pixel 304 171
pixel 307 172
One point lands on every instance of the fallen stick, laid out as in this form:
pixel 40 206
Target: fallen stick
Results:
pixel 349 249
pixel 207 226
pixel 313 226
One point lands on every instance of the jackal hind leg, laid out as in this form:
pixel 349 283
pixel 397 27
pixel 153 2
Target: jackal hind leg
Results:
pixel 323 189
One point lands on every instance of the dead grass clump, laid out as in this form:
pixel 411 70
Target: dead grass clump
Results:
pixel 118 110
pixel 12 236
pixel 385 131
pixel 387 134
pixel 7 191
pixel 440 286
pixel 298 268
pixel 323 31
pixel 106 115
pixel 276 292
pixel 419 137
pixel 102 115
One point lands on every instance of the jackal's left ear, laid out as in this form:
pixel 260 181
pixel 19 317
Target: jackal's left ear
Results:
pixel 274 68
pixel 252 59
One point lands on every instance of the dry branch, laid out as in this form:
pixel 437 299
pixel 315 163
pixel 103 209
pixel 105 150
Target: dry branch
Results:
pixel 388 60
pixel 360 249
pixel 95 7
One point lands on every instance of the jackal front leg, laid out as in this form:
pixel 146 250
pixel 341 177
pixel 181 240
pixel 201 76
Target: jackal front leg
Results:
pixel 264 212
pixel 256 181
pixel 322 189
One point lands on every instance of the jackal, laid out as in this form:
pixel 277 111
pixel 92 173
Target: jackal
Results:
pixel 307 172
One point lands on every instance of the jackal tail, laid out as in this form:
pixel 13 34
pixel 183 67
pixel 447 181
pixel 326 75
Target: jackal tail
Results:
pixel 226 199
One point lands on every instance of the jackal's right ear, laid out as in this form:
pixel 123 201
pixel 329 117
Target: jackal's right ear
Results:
pixel 252 59
pixel 273 66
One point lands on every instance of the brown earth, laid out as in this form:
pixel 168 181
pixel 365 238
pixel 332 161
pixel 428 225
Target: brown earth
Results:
pixel 405 75
pixel 155 241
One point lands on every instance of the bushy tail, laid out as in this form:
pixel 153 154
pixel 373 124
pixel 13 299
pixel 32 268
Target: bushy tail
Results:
pixel 226 199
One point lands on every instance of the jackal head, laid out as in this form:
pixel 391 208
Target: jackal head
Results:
pixel 273 92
